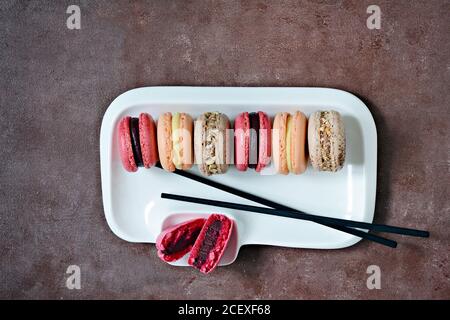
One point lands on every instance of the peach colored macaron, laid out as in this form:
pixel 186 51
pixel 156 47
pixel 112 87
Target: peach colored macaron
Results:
pixel 296 151
pixel 175 141
pixel 279 143
pixel 289 143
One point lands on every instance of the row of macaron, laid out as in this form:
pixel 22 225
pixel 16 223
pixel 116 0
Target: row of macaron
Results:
pixel 179 142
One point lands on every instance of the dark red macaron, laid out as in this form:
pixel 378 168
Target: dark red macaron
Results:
pixel 137 142
pixel 252 144
pixel 211 243
pixel 173 243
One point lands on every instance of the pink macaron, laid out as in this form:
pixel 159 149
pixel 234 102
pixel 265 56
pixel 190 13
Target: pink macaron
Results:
pixel 264 142
pixel 126 149
pixel 252 144
pixel 147 135
pixel 137 142
pixel 241 141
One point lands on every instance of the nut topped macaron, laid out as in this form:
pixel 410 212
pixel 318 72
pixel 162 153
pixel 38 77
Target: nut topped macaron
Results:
pixel 175 141
pixel 211 143
pixel 326 139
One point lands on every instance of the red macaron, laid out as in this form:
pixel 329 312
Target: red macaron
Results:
pixel 174 242
pixel 252 144
pixel 137 142
pixel 211 243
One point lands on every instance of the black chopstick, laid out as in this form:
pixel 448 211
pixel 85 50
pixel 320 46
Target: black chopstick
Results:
pixel 272 204
pixel 282 213
pixel 279 212
pixel 249 196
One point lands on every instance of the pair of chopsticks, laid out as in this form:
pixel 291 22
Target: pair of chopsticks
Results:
pixel 280 210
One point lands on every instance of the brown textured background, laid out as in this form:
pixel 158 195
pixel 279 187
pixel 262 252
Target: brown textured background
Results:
pixel 56 85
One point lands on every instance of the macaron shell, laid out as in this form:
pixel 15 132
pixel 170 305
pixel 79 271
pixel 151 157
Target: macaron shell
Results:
pixel 241 141
pixel 199 133
pixel 288 142
pixel 279 143
pixel 164 137
pixel 147 137
pixel 338 143
pixel 187 152
pixel 265 141
pixel 126 150
pixel 299 157
pixel 314 140
pixel 223 145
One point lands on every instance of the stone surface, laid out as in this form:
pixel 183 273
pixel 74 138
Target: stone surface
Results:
pixel 57 83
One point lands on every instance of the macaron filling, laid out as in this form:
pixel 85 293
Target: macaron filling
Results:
pixel 135 143
pixel 289 142
pixel 209 241
pixel 254 140
pixel 182 241
pixel 175 242
pixel 325 141
pixel 176 143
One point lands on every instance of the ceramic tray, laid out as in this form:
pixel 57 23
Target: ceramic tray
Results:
pixel 136 213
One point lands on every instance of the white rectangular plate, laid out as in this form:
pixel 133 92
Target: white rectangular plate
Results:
pixel 135 212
